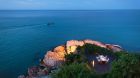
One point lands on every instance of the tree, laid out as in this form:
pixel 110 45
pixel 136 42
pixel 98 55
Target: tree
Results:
pixel 74 58
pixel 126 66
pixel 73 70
pixel 93 49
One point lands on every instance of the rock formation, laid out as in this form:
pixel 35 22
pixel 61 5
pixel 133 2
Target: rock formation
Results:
pixel 56 58
pixel 97 43
pixel 72 45
pixel 114 48
pixel 60 50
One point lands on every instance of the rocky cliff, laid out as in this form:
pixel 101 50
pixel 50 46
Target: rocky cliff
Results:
pixel 56 57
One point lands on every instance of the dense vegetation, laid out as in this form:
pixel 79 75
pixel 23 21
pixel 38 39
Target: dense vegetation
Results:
pixel 93 49
pixel 75 58
pixel 126 65
pixel 74 70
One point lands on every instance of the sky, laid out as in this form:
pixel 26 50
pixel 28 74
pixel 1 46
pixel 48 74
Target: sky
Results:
pixel 68 4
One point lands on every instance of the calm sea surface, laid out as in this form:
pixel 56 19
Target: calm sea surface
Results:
pixel 25 35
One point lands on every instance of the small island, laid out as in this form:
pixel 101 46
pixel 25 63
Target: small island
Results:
pixel 86 59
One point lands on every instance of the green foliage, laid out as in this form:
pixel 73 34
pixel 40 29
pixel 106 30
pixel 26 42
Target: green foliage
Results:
pixel 119 54
pixel 93 49
pixel 126 66
pixel 74 58
pixel 74 70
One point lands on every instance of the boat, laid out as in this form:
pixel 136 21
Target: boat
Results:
pixel 50 23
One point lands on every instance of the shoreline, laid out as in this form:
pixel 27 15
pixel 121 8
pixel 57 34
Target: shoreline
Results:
pixel 56 57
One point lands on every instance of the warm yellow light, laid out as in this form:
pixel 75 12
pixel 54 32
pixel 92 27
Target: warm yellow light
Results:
pixel 93 63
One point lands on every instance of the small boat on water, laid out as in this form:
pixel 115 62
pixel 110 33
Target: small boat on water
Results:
pixel 50 23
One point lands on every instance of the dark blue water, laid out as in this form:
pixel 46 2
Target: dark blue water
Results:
pixel 25 36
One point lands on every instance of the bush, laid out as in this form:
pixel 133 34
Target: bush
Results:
pixel 74 70
pixel 127 66
pixel 74 58
pixel 93 49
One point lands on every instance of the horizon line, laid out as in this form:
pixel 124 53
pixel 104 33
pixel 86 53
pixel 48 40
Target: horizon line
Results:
pixel 62 9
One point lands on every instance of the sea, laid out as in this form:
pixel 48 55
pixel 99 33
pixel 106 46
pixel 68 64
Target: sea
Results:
pixel 26 35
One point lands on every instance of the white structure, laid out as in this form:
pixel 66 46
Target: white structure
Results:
pixel 93 63
pixel 102 58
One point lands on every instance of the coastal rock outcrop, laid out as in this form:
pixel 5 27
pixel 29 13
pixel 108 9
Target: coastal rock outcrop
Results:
pixel 72 45
pixel 35 72
pixel 97 43
pixel 114 48
pixel 60 50
pixel 52 59
pixel 55 58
